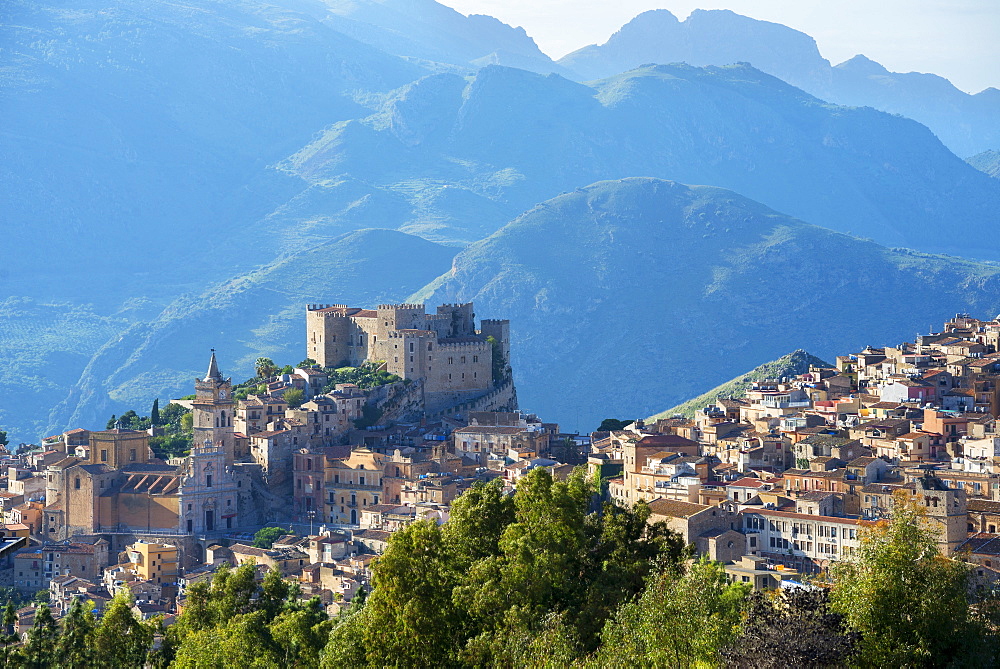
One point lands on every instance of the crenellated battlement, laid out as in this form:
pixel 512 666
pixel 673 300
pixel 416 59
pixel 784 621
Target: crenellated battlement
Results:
pixel 319 307
pixel 461 346
pixel 389 307
pixel 495 321
pixel 401 334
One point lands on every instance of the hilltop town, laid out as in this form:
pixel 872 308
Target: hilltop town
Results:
pixel 777 485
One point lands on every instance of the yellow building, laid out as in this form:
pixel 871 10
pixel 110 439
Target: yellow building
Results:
pixel 153 562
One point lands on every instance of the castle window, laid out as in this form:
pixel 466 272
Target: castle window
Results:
pixel 475 358
pixel 430 346
pixel 451 360
pixel 362 480
pixel 411 358
pixel 411 347
pixel 463 359
pixel 208 481
pixel 77 483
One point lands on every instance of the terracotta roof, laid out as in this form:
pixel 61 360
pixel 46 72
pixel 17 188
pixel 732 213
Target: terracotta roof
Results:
pixel 983 505
pixel 675 508
pixel 746 482
pixel 981 543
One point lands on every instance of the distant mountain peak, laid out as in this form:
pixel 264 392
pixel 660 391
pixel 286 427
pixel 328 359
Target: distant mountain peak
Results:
pixel 863 65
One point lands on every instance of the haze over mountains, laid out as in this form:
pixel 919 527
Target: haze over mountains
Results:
pixel 185 176
pixel 967 124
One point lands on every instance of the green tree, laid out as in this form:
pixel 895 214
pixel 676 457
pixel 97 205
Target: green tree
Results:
pixel 264 367
pixel 500 364
pixel 41 597
pixel 266 536
pixel 74 648
pixel 39 649
pixel 306 364
pixel 120 640
pixel 478 520
pixel 154 413
pixel 3 439
pixel 243 641
pixel 682 619
pixel 7 635
pixel 301 634
pixel 409 619
pixel 294 397
pixel 613 425
pixel 910 603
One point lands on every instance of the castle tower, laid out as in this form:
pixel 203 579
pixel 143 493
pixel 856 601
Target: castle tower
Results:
pixel 212 410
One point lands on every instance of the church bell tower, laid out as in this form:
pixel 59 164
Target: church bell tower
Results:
pixel 212 410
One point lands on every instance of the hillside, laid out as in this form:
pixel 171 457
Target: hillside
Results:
pixel 987 162
pixel 425 30
pixel 856 170
pixel 633 295
pixel 793 364
pixel 967 124
pixel 144 130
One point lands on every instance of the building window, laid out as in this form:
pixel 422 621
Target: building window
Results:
pixel 77 483
pixel 208 481
pixel 104 456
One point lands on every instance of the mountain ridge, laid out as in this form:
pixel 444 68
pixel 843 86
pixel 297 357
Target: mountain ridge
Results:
pixel 966 123
pixel 692 281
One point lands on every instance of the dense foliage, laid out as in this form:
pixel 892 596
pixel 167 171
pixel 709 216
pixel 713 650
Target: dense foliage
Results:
pixel 505 578
pixel 368 375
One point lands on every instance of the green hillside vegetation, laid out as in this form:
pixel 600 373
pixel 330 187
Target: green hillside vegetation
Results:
pixel 987 162
pixel 793 364
pixel 656 291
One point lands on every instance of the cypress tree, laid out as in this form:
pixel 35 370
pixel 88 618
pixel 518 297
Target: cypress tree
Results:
pixel 76 641
pixel 39 650
pixel 154 413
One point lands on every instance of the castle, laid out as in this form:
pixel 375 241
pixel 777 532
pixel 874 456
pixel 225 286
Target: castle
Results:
pixel 443 350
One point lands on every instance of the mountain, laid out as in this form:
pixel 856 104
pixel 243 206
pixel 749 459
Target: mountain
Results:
pixel 987 162
pixel 425 30
pixel 135 131
pixel 631 295
pixel 967 124
pixel 706 37
pixel 260 313
pixel 848 169
pixel 793 364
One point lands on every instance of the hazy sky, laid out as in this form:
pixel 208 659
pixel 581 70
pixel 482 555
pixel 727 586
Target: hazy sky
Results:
pixel 958 39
